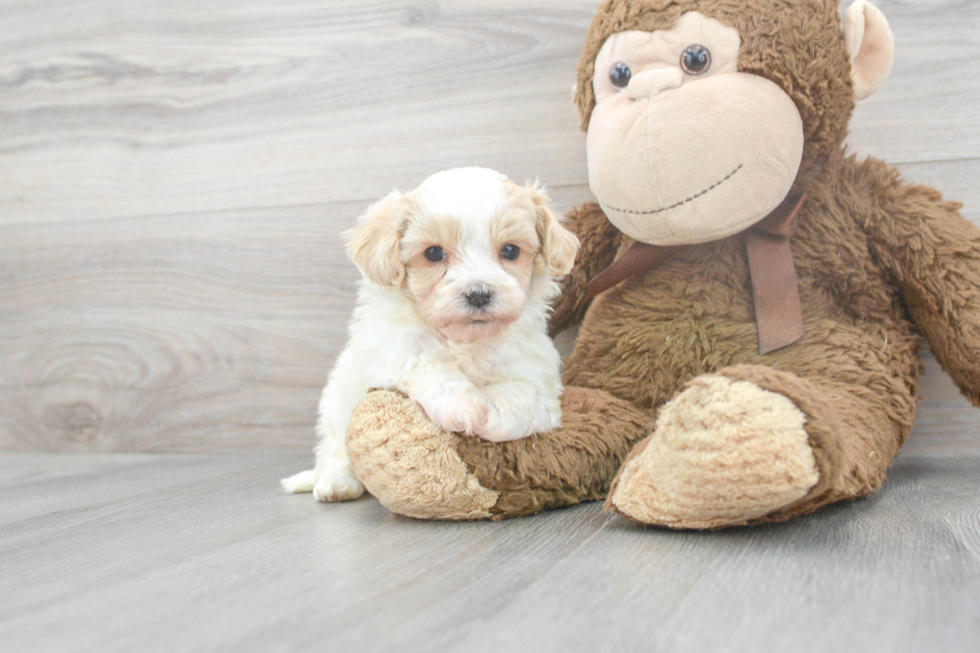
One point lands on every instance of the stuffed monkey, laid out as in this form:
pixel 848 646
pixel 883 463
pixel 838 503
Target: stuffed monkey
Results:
pixel 751 297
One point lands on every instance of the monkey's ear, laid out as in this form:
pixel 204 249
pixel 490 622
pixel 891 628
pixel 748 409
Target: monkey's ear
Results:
pixel 558 245
pixel 375 243
pixel 870 46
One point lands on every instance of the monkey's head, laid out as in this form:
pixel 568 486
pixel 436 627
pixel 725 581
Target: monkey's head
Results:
pixel 703 115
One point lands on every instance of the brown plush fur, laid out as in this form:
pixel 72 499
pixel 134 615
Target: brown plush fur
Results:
pixel 881 265
pixel 569 465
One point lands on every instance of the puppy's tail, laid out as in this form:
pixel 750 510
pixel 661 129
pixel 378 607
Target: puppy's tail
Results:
pixel 299 483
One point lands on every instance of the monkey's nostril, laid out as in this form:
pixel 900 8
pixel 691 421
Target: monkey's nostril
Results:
pixel 479 297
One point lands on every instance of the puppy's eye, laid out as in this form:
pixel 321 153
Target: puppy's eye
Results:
pixel 435 254
pixel 695 60
pixel 620 75
pixel 510 252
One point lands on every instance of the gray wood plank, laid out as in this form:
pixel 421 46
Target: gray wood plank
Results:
pixel 113 109
pixel 118 109
pixel 165 552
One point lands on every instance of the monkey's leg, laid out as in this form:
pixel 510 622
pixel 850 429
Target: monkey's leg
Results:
pixel 415 469
pixel 754 444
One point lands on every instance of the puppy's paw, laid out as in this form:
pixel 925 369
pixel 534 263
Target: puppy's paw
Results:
pixel 504 425
pixel 466 412
pixel 337 484
pixel 511 420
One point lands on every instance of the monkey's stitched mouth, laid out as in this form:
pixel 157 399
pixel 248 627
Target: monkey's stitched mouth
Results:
pixel 676 204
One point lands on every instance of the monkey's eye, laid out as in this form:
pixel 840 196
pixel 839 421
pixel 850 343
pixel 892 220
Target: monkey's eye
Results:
pixel 435 254
pixel 620 75
pixel 510 252
pixel 695 60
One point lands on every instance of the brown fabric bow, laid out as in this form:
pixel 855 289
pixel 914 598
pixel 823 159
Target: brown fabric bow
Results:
pixel 778 313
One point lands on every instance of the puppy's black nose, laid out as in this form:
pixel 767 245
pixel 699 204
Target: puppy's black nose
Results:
pixel 479 297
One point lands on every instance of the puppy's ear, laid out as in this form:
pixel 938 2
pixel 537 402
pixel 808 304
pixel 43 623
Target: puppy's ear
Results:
pixel 375 243
pixel 558 245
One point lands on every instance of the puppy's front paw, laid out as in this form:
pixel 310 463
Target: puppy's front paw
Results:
pixel 504 425
pixel 338 484
pixel 511 420
pixel 463 413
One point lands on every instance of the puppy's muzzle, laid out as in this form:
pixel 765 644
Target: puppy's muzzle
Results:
pixel 478 297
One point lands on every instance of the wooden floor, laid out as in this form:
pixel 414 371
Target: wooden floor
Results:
pixel 173 180
pixel 138 552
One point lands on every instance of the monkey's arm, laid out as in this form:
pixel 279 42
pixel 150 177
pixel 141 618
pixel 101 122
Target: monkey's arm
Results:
pixel 599 242
pixel 933 254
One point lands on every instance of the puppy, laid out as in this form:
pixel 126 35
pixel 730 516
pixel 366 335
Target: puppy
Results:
pixel 453 312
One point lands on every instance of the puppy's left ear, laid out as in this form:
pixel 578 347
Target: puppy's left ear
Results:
pixel 558 245
pixel 375 243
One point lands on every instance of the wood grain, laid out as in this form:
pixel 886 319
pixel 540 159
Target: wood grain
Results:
pixel 174 178
pixel 199 552
pixel 120 109
pixel 190 106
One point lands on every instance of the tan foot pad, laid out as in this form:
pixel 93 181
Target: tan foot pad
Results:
pixel 723 452
pixel 409 464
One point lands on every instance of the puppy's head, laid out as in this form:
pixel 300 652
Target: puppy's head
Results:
pixel 471 248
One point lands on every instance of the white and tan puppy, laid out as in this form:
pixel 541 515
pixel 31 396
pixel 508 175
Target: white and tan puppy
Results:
pixel 453 312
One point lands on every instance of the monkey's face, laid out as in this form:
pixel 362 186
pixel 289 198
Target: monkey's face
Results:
pixel 682 147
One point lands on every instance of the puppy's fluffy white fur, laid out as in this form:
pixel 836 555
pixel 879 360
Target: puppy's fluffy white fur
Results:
pixel 449 315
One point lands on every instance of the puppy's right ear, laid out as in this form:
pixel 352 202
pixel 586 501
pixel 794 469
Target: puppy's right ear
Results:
pixel 558 245
pixel 375 243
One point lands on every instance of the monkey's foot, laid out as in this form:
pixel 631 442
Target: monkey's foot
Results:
pixel 724 452
pixel 410 464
